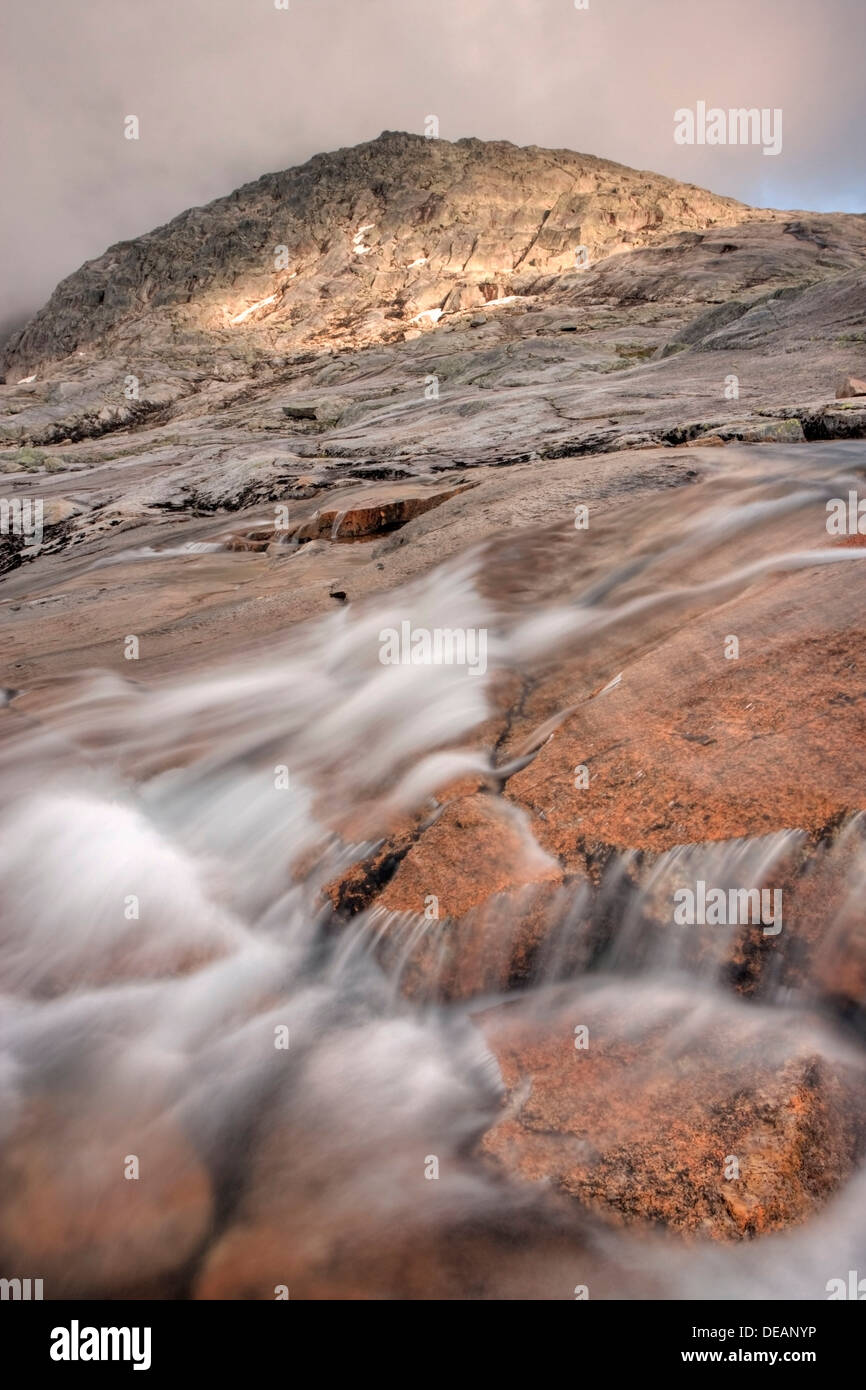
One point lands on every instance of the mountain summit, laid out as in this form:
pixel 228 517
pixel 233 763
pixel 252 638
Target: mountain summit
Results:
pixel 361 246
pixel 551 303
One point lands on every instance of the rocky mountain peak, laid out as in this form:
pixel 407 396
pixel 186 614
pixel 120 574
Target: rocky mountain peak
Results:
pixel 360 246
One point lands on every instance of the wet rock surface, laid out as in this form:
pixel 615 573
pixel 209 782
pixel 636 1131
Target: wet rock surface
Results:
pixel 642 1114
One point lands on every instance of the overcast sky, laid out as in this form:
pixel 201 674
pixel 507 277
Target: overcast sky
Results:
pixel 226 90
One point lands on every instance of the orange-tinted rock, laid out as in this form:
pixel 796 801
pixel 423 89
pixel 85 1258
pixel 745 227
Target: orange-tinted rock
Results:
pixel 357 520
pixel 495 946
pixel 825 937
pixel 69 1215
pixel 691 746
pixel 669 1098
pixel 686 748
pixel 478 846
pixel 851 386
pixel 337 1202
pixel 469 903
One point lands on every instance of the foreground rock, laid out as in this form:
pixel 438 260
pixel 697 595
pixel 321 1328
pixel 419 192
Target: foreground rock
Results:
pixel 629 1102
pixel 654 741
pixel 851 386
pixel 469 906
pixel 376 1226
pixel 73 1209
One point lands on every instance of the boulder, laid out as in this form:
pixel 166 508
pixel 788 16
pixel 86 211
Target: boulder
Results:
pixel 324 412
pixel 469 905
pixel 651 1105
pixel 851 386
pixel 371 516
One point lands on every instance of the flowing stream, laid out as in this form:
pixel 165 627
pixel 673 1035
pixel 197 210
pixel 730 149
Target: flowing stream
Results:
pixel 178 990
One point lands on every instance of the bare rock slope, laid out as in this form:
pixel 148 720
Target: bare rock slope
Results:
pixel 353 246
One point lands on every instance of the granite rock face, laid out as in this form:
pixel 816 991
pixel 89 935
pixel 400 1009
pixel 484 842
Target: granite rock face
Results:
pixel 629 1109
pixel 356 247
